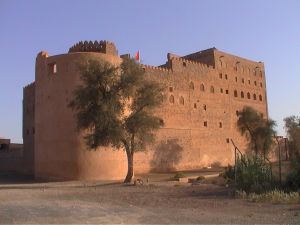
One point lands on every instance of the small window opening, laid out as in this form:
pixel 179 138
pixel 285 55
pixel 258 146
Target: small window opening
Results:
pixel 204 107
pixel 171 99
pixel 52 68
pixel 170 89
pixel 184 64
pixel 260 98
pixel 220 75
pixel 227 92
pixel 205 123
pixel 261 84
pixel 236 79
pixel 181 101
pixel 221 90
pixel 195 106
pixel 249 81
pixel 243 80
pixel 220 125
pixel 226 77
pixel 235 93
pixel 227 140
pixel 254 96
pixel 242 94
pixel 237 113
pixel 202 88
pixel 248 95
pixel 192 86
pixel 255 83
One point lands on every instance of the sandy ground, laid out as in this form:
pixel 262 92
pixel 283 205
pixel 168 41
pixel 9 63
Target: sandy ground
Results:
pixel 155 203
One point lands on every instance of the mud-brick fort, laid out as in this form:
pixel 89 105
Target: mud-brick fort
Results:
pixel 205 90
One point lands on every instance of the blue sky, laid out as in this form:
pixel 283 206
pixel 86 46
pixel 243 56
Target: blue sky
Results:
pixel 267 31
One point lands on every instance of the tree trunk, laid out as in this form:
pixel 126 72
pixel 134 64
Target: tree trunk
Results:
pixel 130 166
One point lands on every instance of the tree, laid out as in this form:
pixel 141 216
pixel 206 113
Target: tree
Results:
pixel 292 127
pixel 114 106
pixel 258 130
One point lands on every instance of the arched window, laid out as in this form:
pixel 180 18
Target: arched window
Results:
pixel 171 99
pixel 181 101
pixel 254 96
pixel 235 93
pixel 212 89
pixel 260 98
pixel 202 88
pixel 242 94
pixel 248 95
pixel 192 85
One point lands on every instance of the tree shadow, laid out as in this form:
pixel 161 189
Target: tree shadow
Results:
pixel 167 154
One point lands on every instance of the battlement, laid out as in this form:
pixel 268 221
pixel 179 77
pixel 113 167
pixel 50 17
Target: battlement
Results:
pixel 102 46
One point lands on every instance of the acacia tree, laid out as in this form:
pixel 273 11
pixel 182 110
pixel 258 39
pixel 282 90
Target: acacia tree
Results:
pixel 292 127
pixel 259 131
pixel 114 106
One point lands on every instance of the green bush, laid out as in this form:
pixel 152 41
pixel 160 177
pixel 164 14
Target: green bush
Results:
pixel 228 173
pixel 293 179
pixel 200 178
pixel 179 175
pixel 253 174
pixel 275 196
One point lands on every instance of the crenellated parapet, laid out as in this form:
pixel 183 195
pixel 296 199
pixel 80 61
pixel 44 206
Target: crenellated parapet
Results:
pixel 148 67
pixel 105 47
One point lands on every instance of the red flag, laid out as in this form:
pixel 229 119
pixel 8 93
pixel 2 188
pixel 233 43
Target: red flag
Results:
pixel 137 56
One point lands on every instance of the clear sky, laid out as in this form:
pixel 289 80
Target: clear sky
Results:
pixel 267 31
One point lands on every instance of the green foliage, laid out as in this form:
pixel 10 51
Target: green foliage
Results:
pixel 253 174
pixel 115 106
pixel 293 179
pixel 200 178
pixel 292 127
pixel 228 173
pixel 179 175
pixel 274 196
pixel 259 131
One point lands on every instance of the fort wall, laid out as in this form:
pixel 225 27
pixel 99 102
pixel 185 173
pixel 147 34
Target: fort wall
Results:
pixel 204 92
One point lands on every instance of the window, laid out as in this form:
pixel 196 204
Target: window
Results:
pixel 184 64
pixel 192 85
pixel 237 113
pixel 195 106
pixel 248 95
pixel 220 125
pixel 227 92
pixel 249 82
pixel 221 90
pixel 170 89
pixel 242 94
pixel 226 77
pixel 205 123
pixel 255 83
pixel 171 99
pixel 260 98
pixel 227 140
pixel 260 84
pixel 243 80
pixel 52 68
pixel 181 101
pixel 235 93
pixel 202 88
pixel 236 79
pixel 254 96
pixel 220 75
pixel 204 107
pixel 260 73
pixel 212 89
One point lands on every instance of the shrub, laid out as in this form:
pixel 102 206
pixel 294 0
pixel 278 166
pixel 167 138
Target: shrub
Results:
pixel 275 196
pixel 228 173
pixel 293 179
pixel 253 174
pixel 200 178
pixel 179 175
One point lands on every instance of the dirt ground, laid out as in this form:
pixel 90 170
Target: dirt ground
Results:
pixel 158 202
